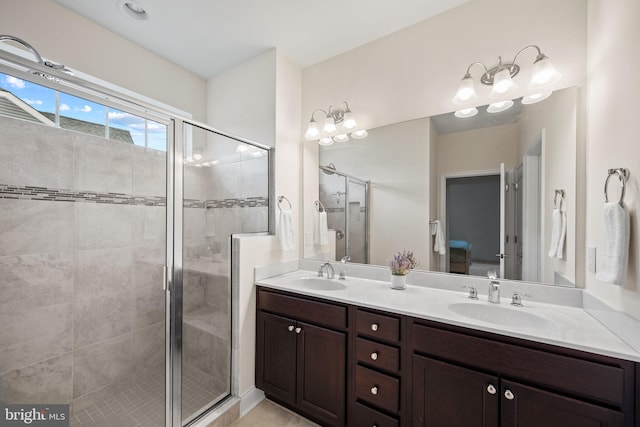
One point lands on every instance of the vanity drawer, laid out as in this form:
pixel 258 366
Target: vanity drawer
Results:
pixel 378 326
pixel 367 417
pixel 584 378
pixel 378 355
pixel 378 389
pixel 321 313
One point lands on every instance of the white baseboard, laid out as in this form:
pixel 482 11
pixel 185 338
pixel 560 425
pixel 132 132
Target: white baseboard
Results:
pixel 250 400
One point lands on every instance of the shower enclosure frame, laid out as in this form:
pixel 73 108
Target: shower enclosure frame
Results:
pixel 347 229
pixel 19 65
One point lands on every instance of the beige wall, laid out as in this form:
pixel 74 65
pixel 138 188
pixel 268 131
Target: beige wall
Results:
pixel 260 100
pixel 65 37
pixel 558 117
pixel 415 72
pixel 612 132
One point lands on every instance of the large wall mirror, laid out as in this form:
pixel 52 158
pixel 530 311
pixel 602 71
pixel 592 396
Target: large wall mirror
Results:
pixel 496 190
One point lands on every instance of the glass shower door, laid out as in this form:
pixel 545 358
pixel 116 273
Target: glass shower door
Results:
pixel 226 191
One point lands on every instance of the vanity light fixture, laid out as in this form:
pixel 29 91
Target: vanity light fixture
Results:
pixel 337 124
pixel 500 78
pixel 536 97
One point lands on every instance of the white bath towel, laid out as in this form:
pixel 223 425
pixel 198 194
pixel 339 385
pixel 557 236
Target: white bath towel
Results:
pixel 285 230
pixel 321 236
pixel 615 250
pixel 558 233
pixel 438 241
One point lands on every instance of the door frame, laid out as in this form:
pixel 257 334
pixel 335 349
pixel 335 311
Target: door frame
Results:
pixel 442 211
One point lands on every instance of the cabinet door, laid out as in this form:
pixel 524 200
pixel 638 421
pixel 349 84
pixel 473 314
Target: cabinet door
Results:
pixel 276 357
pixel 322 373
pixel 446 395
pixel 525 406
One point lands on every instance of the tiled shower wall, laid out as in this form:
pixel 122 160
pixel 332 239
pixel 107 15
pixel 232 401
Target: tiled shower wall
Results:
pixel 81 303
pixel 81 256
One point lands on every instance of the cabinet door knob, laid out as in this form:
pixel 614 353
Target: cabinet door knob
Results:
pixel 374 390
pixel 298 330
pixel 374 356
pixel 290 328
pixel 374 327
pixel 508 395
pixel 491 389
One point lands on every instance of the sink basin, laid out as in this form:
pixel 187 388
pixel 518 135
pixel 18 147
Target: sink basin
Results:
pixel 318 284
pixel 516 317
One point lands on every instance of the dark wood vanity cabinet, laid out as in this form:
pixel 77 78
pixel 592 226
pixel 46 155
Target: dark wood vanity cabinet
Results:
pixel 463 378
pixel 347 365
pixel 301 355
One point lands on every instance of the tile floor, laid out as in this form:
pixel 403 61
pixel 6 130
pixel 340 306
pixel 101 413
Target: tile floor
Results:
pixel 269 414
pixel 142 405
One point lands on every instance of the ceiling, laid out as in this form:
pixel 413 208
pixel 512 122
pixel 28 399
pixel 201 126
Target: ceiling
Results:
pixel 208 37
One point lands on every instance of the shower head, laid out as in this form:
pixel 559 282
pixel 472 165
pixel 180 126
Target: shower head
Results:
pixel 329 166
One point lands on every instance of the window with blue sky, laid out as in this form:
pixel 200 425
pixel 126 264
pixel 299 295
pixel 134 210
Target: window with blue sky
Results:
pixel 78 114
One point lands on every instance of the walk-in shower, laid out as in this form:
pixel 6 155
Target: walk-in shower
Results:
pixel 115 267
pixel 345 198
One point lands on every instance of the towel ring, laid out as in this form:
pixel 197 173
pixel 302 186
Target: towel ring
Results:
pixel 280 199
pixel 623 175
pixel 319 206
pixel 555 199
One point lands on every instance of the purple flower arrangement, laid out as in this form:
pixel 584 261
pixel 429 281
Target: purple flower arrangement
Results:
pixel 402 263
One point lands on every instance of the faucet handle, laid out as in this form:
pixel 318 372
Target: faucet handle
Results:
pixel 320 272
pixel 345 259
pixel 516 299
pixel 473 292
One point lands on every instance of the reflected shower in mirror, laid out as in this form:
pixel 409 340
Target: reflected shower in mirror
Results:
pixel 488 180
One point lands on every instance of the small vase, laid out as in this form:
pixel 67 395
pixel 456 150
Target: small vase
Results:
pixel 398 282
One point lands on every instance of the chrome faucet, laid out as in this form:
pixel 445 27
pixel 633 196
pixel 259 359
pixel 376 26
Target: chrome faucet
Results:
pixel 330 271
pixel 494 291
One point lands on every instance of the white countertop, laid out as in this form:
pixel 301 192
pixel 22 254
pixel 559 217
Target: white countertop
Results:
pixel 565 326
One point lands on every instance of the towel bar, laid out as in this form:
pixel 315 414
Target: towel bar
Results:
pixel 280 199
pixel 623 175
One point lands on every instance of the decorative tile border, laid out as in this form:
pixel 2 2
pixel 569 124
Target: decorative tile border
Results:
pixel 59 195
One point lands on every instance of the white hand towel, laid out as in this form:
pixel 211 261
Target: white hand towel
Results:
pixel 615 250
pixel 558 232
pixel 438 242
pixel 322 230
pixel 285 230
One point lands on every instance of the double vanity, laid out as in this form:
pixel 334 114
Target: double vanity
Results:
pixel 355 352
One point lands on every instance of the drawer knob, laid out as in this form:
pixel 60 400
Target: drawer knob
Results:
pixel 374 356
pixel 374 390
pixel 509 395
pixel 298 330
pixel 491 389
pixel 374 327
pixel 290 328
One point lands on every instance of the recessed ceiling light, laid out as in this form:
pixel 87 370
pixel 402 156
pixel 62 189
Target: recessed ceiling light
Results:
pixel 133 9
